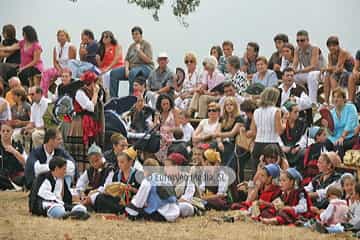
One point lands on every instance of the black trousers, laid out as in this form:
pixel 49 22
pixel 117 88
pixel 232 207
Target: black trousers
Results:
pixel 27 73
pixel 108 204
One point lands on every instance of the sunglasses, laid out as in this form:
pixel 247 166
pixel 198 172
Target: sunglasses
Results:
pixel 188 61
pixel 301 40
pixel 106 36
pixel 213 110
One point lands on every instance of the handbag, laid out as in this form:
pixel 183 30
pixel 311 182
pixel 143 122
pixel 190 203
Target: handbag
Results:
pixel 243 141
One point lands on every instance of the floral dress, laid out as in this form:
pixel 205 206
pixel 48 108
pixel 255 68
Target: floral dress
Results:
pixel 166 136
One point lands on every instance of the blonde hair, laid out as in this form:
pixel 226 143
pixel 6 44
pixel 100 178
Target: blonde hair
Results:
pixel 229 118
pixel 210 62
pixel 269 97
pixel 67 35
pixel 190 56
pixel 214 105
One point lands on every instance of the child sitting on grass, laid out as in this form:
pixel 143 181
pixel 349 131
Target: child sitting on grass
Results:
pixel 265 191
pixel 295 200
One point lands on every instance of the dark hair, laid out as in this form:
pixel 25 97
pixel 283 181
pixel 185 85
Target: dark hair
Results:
pixel 272 150
pixel 289 69
pixel 218 50
pixel 248 106
pixel 50 133
pixel 178 133
pixel 228 43
pixel 255 46
pixel 19 91
pixel 321 130
pixel 332 40
pixel 140 79
pixel 137 29
pixel 234 61
pixel 89 33
pixel 228 84
pixel 30 34
pixel 162 97
pixel 38 90
pixel 1 87
pixel 302 33
pixel 357 188
pixel 55 162
pixel 281 37
pixel 10 31
pixel 102 45
pixel 290 46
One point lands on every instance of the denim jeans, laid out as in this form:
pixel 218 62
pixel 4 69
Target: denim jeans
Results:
pixel 58 210
pixel 118 74
pixel 79 67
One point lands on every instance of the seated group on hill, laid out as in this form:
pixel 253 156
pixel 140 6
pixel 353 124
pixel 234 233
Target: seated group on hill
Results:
pixel 242 133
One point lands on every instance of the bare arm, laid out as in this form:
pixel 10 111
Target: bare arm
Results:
pixel 55 62
pixel 314 61
pixel 72 52
pixel 232 133
pixel 295 60
pixel 341 61
pixel 252 132
pixel 11 48
pixel 279 126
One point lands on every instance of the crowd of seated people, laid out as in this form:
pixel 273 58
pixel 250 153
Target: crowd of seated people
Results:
pixel 245 113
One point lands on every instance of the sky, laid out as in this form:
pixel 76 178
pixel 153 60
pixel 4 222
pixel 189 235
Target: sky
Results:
pixel 240 21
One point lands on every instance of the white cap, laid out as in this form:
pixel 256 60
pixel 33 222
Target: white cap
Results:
pixel 163 55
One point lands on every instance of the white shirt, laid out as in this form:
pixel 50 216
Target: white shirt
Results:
pixel 208 128
pixel 53 197
pixel 84 101
pixel 265 125
pixel 37 112
pixel 188 131
pixel 41 168
pixel 62 54
pixel 169 211
pixel 6 114
pixel 304 101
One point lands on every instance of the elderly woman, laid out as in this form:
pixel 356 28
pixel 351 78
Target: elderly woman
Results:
pixel 191 82
pixel 327 177
pixel 205 132
pixel 345 120
pixel 267 124
pixel 30 51
pixel 12 158
pixel 264 76
pixel 206 93
pixel 235 75
pixel 62 53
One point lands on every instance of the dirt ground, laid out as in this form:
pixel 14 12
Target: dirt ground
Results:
pixel 16 223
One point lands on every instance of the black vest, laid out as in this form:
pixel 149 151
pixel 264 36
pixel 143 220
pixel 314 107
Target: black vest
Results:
pixel 35 201
pixel 94 181
pixel 296 92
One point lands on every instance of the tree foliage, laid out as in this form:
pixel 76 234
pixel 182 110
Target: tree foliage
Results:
pixel 180 8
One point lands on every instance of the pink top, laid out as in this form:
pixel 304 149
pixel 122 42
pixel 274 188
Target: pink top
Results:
pixel 27 55
pixel 211 82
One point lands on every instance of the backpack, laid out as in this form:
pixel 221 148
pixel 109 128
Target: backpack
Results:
pixel 56 111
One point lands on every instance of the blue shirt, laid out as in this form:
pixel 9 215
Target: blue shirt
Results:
pixel 270 79
pixel 348 121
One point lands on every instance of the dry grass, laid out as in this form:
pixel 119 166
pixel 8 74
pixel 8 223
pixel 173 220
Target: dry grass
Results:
pixel 16 223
